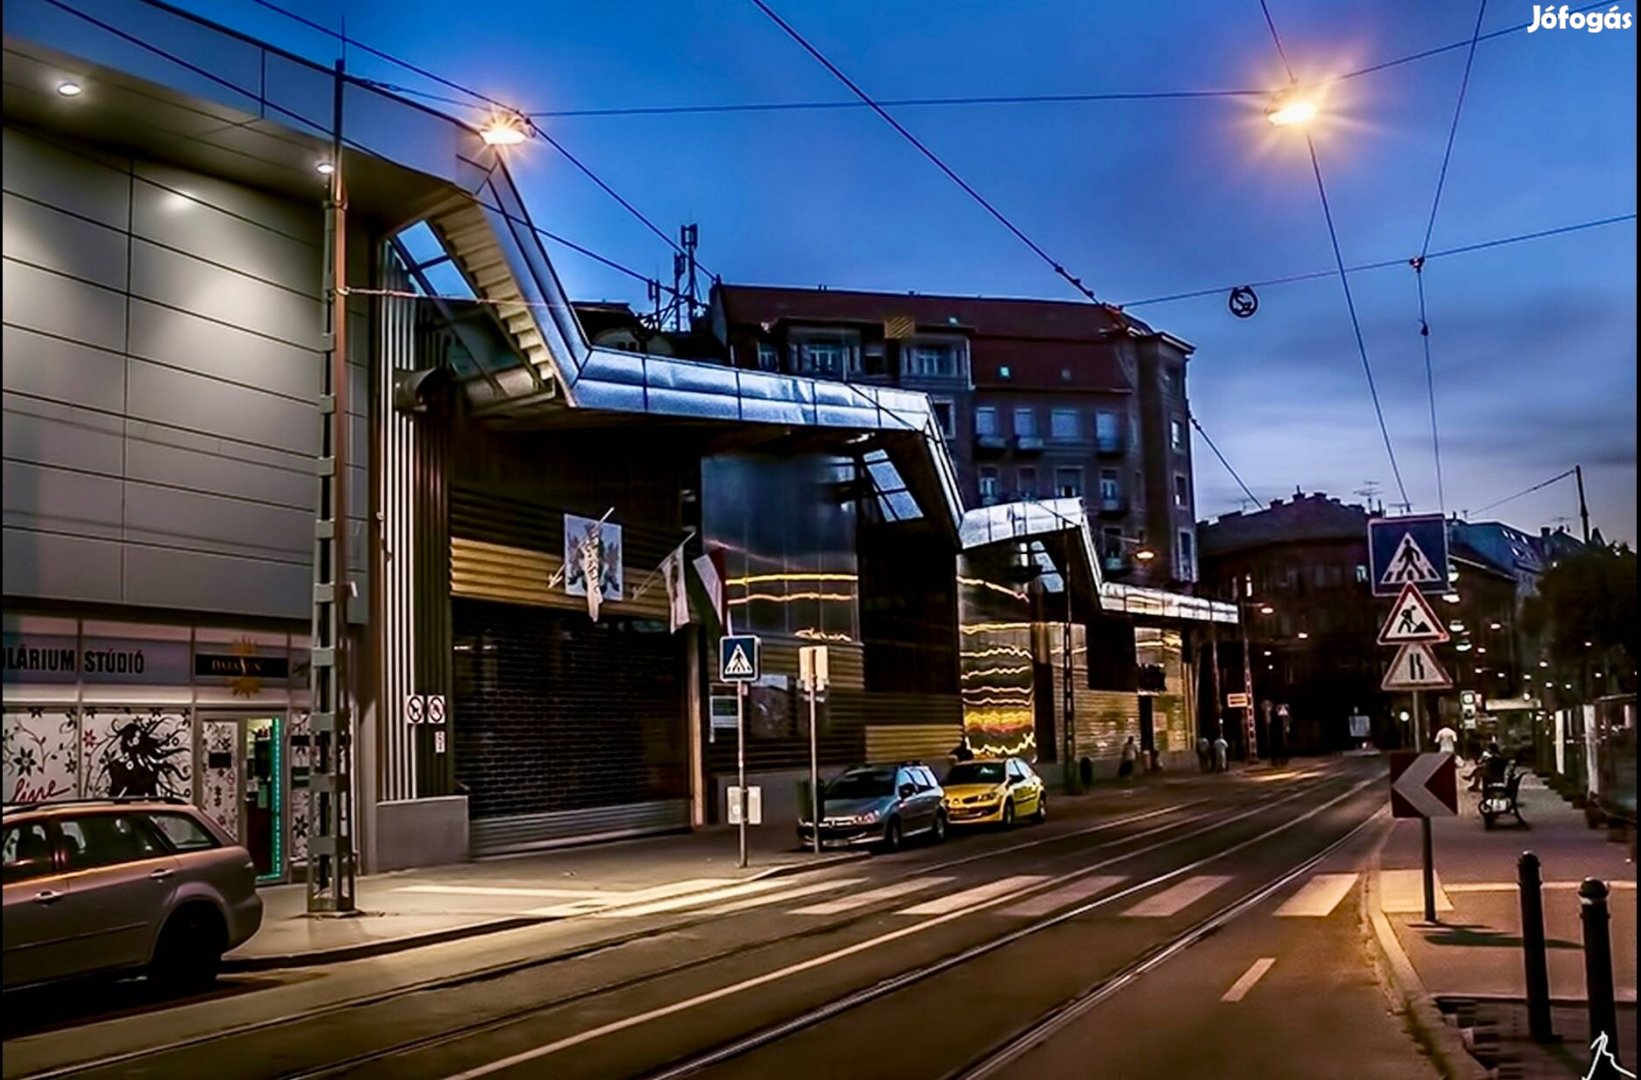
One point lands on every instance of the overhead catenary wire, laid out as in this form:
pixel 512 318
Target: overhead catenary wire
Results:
pixel 1418 263
pixel 1381 264
pixel 1524 491
pixel 951 173
pixel 1248 491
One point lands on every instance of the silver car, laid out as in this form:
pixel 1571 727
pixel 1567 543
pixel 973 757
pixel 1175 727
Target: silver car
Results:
pixel 123 885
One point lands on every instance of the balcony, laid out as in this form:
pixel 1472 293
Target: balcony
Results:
pixel 1110 446
pixel 1028 444
pixel 1113 505
pixel 990 445
pixel 1115 563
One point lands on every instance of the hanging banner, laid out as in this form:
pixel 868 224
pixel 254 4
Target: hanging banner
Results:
pixel 592 561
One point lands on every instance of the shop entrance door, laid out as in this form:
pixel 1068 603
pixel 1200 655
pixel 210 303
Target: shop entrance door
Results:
pixel 244 787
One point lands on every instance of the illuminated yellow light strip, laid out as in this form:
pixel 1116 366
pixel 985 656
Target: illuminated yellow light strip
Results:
pixel 978 672
pixel 981 583
pixel 757 578
pixel 982 628
pixel 822 635
pixel 989 701
pixel 771 598
pixel 998 650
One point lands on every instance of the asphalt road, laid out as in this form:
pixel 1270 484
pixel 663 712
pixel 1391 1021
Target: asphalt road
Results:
pixel 1198 928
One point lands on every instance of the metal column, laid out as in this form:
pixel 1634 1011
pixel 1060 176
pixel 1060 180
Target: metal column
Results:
pixel 330 847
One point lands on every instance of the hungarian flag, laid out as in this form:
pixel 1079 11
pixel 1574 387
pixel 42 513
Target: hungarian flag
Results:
pixel 708 591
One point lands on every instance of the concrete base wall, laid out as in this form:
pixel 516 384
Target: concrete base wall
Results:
pixel 780 794
pixel 420 832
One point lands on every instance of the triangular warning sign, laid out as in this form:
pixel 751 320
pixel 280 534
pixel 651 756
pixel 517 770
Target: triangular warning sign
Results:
pixel 738 664
pixel 1415 668
pixel 1410 565
pixel 1411 619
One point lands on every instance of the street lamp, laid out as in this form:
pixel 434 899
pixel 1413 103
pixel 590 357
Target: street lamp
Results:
pixel 505 130
pixel 1290 108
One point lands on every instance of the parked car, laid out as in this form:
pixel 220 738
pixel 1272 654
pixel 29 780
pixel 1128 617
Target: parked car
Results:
pixel 108 886
pixel 878 805
pixel 994 792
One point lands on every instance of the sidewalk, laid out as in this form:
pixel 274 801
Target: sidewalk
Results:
pixel 1470 966
pixel 411 908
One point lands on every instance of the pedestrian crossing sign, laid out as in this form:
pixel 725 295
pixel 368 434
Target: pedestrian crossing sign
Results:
pixel 1412 619
pixel 738 659
pixel 1406 551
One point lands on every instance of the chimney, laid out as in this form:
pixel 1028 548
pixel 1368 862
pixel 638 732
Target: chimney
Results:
pixel 1275 503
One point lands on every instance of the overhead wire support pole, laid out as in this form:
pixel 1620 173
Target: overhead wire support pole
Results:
pixel 331 870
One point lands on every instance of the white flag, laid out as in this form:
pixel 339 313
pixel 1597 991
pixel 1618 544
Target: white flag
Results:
pixel 592 566
pixel 672 572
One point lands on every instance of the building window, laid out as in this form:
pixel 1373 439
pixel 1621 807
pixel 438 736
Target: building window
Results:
pixel 1170 382
pixel 990 488
pixel 768 358
pixel 1176 434
pixel 1108 485
pixel 1112 540
pixel 1182 491
pixel 1105 428
pixel 945 417
pixel 931 361
pixel 1028 481
pixel 1068 481
pixel 1186 556
pixel 1064 426
pixel 1025 421
pixel 832 354
pixel 1361 574
pixel 1003 371
pixel 985 420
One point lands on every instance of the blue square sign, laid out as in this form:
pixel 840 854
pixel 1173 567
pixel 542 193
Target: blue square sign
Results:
pixel 738 659
pixel 1408 551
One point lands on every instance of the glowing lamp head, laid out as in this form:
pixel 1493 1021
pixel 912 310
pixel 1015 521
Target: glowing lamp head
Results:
pixel 504 131
pixel 324 168
pixel 1145 554
pixel 1290 108
pixel 70 88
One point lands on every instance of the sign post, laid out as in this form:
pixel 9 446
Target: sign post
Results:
pixel 739 662
pixel 813 669
pixel 1412 627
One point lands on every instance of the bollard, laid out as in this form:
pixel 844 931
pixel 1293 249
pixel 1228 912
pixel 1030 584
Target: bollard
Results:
pixel 1598 963
pixel 1532 944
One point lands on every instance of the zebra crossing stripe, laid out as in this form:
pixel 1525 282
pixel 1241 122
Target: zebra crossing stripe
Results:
pixel 1174 900
pixel 956 901
pixel 1319 896
pixel 872 896
pixel 781 897
pixel 1065 896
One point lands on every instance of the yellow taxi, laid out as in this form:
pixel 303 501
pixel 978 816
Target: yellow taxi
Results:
pixel 994 791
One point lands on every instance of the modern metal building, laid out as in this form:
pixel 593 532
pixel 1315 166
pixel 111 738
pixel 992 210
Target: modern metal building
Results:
pixel 167 272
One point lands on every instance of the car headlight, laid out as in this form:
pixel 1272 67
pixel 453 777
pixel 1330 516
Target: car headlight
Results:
pixel 867 818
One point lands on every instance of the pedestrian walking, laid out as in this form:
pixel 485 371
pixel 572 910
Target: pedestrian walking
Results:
pixel 1204 750
pixel 962 751
pixel 1222 750
pixel 1447 740
pixel 1130 754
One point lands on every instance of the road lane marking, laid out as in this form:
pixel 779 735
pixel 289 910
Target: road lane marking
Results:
pixel 1511 886
pixel 968 898
pixel 585 1035
pixel 656 907
pixel 1319 896
pixel 1401 892
pixel 1174 900
pixel 780 897
pixel 1064 896
pixel 859 900
pixel 1255 972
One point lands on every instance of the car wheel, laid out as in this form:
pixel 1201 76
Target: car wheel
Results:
pixel 1041 813
pixel 892 835
pixel 939 830
pixel 189 953
pixel 1008 814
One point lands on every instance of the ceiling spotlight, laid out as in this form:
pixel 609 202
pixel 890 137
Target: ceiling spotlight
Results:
pixel 505 131
pixel 1496 626
pixel 324 168
pixel 1266 609
pixel 1303 636
pixel 1544 663
pixel 1463 646
pixel 70 88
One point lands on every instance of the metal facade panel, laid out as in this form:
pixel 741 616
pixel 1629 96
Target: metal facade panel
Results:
pixel 77 183
pixel 53 304
pixel 188 284
pixel 53 240
pixel 495 836
pixel 58 500
pixel 228 525
pixel 44 433
pixel 65 567
pixel 223 409
pixel 220 351
pixel 199 581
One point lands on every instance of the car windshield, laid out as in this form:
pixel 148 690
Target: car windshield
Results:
pixel 862 785
pixel 975 772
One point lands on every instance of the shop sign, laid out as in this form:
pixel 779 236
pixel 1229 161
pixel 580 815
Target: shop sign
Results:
pixel 41 658
pixel 49 658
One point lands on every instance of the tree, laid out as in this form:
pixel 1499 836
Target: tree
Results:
pixel 1584 615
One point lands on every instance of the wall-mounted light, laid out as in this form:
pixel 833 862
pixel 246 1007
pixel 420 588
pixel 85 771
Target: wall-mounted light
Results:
pixel 324 168
pixel 505 131
pixel 1303 636
pixel 1266 609
pixel 1496 626
pixel 70 88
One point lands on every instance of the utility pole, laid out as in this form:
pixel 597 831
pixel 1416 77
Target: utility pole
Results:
pixel 330 847
pixel 1068 701
pixel 1252 732
pixel 1583 508
pixel 1213 679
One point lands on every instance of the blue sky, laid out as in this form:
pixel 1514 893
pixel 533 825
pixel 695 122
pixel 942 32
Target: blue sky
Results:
pixel 1534 344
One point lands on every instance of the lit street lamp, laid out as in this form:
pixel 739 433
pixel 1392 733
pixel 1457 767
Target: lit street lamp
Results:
pixel 1290 108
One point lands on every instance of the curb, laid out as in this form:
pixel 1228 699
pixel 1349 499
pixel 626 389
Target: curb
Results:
pixel 1445 1043
pixel 366 950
